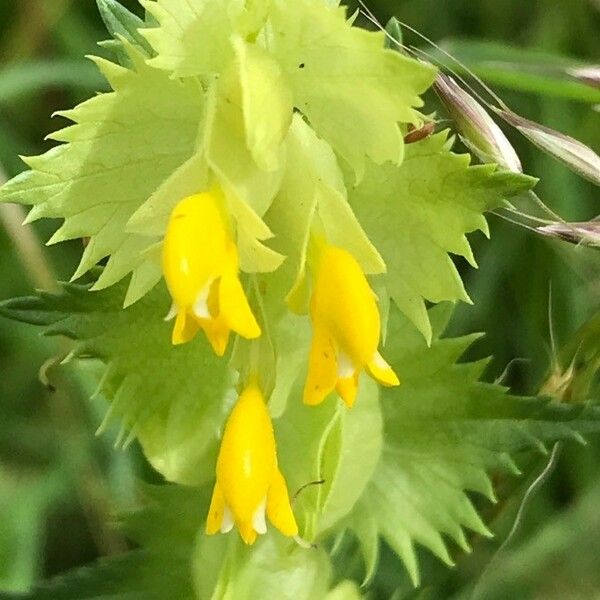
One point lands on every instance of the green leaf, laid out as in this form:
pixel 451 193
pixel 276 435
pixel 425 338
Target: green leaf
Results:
pixel 120 149
pixel 444 431
pixel 194 38
pixel 563 549
pixel 365 527
pixel 273 568
pixel 416 214
pixel 122 23
pixel 173 399
pixel 262 85
pixel 22 511
pixel 352 90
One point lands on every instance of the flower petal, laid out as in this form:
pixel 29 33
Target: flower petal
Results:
pixel 322 368
pixel 279 509
pixel 217 332
pixel 247 532
pixel 216 511
pixel 234 307
pixel 347 388
pixel 200 308
pixel 185 328
pixel 379 370
pixel 258 518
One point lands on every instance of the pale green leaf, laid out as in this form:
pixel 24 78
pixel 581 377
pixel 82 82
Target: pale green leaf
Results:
pixel 274 568
pixel 152 217
pixel 248 189
pixel 301 433
pixel 257 358
pixel 266 105
pixel 194 37
pixel 226 146
pixel 120 149
pixel 419 213
pixel 353 91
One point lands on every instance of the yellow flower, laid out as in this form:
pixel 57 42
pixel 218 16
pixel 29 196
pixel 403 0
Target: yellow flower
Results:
pixel 249 482
pixel 201 267
pixel 346 329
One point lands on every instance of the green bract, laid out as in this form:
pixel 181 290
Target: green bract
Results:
pixel 299 118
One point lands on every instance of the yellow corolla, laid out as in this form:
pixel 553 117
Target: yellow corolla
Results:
pixel 249 483
pixel 201 267
pixel 346 329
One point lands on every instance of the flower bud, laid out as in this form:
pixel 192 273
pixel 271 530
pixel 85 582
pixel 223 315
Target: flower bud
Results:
pixel 346 329
pixel 250 487
pixel 477 129
pixel 571 152
pixel 201 268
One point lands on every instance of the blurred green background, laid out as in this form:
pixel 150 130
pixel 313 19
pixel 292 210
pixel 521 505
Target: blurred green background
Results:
pixel 59 484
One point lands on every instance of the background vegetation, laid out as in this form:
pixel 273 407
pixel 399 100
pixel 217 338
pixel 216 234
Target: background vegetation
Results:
pixel 59 484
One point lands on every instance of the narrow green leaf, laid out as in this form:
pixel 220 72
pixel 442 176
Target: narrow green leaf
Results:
pixel 122 23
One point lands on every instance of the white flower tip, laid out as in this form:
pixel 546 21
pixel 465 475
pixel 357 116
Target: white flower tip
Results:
pixel 172 312
pixel 200 308
pixel 259 521
pixel 227 522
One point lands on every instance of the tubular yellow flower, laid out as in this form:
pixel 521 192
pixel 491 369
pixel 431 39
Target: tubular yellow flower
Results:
pixel 201 267
pixel 346 329
pixel 249 483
